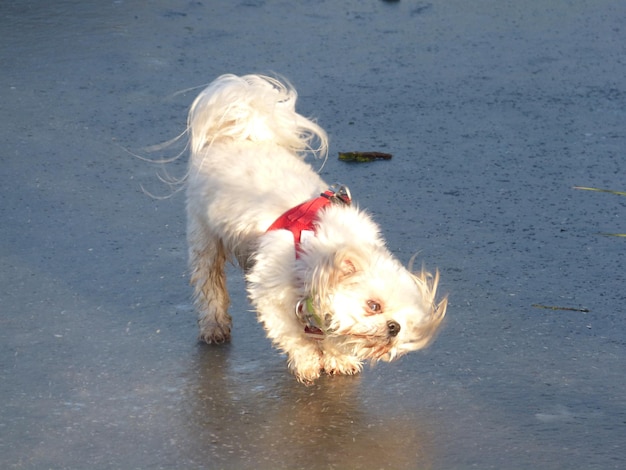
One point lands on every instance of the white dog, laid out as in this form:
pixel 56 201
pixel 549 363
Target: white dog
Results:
pixel 326 289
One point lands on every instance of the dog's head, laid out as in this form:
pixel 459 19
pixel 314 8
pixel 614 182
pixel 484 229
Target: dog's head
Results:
pixel 373 307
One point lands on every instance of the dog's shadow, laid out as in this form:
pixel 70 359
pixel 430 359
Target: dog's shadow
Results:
pixel 258 416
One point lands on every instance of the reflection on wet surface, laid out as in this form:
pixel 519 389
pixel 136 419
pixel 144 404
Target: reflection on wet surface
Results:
pixel 278 422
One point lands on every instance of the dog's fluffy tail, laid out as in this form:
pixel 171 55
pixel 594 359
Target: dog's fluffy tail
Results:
pixel 255 108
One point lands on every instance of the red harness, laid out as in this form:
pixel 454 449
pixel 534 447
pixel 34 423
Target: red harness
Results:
pixel 301 218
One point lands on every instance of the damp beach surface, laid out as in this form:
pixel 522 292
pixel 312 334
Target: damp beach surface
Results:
pixel 493 112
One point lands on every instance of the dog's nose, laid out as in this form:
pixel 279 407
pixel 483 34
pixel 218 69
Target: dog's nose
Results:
pixel 393 327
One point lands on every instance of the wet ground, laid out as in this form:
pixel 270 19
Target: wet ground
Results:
pixel 493 111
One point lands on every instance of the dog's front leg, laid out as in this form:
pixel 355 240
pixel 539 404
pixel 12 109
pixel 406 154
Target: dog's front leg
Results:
pixel 287 334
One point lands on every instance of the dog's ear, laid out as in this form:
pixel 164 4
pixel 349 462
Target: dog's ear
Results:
pixel 337 267
pixel 347 262
pixel 346 266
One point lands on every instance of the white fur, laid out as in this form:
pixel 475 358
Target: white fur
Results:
pixel 247 168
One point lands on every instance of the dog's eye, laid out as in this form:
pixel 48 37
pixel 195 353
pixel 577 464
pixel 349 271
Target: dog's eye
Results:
pixel 374 307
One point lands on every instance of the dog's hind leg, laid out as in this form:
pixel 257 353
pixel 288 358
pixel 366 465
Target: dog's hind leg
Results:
pixel 207 259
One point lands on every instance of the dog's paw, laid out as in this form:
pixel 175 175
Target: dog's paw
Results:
pixel 215 334
pixel 342 365
pixel 306 368
pixel 308 376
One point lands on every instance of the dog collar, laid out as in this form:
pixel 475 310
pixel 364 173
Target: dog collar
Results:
pixel 299 220
pixel 313 323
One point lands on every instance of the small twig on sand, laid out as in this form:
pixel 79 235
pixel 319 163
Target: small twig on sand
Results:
pixel 619 193
pixel 361 157
pixel 554 307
